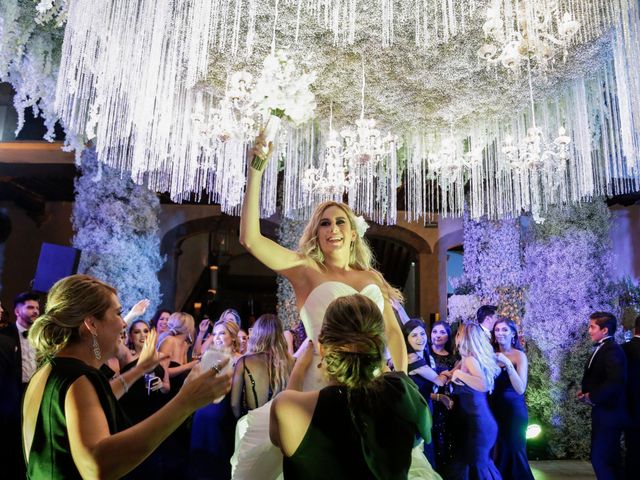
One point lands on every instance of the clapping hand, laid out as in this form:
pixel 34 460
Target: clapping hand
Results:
pixel 149 357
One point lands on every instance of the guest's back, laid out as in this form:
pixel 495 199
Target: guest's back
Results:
pixel 372 441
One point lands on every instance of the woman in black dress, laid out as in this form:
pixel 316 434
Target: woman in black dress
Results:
pixel 422 371
pixel 476 427
pixel 264 371
pixel 363 425
pixel 508 404
pixel 445 360
pixel 70 412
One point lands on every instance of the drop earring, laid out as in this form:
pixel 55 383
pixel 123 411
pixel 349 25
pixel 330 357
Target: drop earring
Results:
pixel 95 346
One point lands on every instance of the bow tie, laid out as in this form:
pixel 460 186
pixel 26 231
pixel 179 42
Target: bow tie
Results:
pixel 25 334
pixel 597 344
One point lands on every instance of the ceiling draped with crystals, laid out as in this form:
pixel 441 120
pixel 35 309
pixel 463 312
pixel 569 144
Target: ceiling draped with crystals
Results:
pixel 505 105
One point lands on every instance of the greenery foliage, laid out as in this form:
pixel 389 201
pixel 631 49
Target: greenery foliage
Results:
pixel 569 274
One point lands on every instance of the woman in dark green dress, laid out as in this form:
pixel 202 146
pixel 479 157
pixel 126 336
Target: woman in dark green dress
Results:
pixel 364 424
pixel 72 424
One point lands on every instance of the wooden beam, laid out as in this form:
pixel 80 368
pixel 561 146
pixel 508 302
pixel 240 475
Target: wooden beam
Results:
pixel 33 152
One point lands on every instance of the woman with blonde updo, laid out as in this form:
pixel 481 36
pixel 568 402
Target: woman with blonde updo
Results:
pixel 175 343
pixel 364 424
pixel 477 428
pixel 70 413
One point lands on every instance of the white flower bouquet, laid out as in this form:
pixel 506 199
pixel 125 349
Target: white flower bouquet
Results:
pixel 282 92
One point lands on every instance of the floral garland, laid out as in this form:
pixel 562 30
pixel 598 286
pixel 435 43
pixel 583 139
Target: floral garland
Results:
pixel 289 233
pixel 30 43
pixel 569 272
pixel 116 224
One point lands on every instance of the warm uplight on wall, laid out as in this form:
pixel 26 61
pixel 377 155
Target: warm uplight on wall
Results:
pixel 197 306
pixel 213 291
pixel 213 267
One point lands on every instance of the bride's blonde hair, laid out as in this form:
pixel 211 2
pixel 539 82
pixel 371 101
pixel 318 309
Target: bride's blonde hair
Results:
pixel 360 254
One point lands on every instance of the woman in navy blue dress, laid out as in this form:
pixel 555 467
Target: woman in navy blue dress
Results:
pixel 508 404
pixel 421 370
pixel 476 427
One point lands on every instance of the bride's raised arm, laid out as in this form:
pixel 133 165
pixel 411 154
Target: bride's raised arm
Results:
pixel 271 254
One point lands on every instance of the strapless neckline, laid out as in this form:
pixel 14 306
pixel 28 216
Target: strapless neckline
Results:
pixel 329 283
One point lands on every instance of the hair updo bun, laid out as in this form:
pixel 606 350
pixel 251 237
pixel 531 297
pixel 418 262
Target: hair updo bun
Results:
pixel 70 301
pixel 352 337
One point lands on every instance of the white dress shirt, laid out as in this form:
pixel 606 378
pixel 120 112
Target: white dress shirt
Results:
pixel 600 343
pixel 28 355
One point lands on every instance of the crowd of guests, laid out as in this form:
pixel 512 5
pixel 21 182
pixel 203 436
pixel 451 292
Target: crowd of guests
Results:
pixel 473 418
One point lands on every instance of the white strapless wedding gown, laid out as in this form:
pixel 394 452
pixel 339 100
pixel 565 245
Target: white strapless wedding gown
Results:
pixel 255 457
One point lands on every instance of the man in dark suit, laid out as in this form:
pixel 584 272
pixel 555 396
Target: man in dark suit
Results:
pixel 603 388
pixel 632 432
pixel 486 318
pixel 17 364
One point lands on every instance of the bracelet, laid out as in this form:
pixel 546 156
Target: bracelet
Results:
pixel 437 397
pixel 125 385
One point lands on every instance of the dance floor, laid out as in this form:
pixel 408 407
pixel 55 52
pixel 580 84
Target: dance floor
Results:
pixel 562 469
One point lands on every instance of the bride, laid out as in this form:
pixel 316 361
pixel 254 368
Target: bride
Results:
pixel 333 261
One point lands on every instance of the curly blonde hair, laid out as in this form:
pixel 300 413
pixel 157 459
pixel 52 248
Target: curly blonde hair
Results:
pixel 360 256
pixel 473 342
pixel 70 301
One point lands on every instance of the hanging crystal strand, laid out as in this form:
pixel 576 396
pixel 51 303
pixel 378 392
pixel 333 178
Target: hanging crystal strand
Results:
pixel 251 28
pixel 235 35
pixel 387 22
pixel 625 51
pixel 298 11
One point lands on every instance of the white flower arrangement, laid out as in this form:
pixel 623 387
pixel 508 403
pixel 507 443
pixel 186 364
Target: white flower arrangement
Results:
pixel 462 307
pixel 282 92
pixel 361 226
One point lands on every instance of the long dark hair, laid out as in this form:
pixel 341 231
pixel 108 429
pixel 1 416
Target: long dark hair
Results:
pixel 156 316
pixel 515 343
pixel 407 328
pixel 449 345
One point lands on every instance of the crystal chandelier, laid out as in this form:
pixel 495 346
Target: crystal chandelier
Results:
pixel 361 162
pixel 517 30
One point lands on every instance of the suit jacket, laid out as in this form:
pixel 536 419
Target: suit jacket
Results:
pixel 632 351
pixel 10 370
pixel 605 381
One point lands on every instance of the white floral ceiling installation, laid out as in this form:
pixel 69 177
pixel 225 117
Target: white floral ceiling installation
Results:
pixel 131 81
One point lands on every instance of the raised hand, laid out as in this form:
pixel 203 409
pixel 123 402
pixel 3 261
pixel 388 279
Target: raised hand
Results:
pixel 204 326
pixel 149 357
pixel 137 310
pixel 202 387
pixel 305 356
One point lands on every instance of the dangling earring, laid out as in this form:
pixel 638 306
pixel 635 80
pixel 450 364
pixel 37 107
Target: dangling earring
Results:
pixel 320 363
pixel 96 347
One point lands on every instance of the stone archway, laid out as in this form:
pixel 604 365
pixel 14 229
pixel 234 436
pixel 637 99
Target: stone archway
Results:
pixel 426 264
pixel 444 244
pixel 173 240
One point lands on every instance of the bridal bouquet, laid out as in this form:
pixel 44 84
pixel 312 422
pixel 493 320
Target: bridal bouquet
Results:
pixel 282 92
